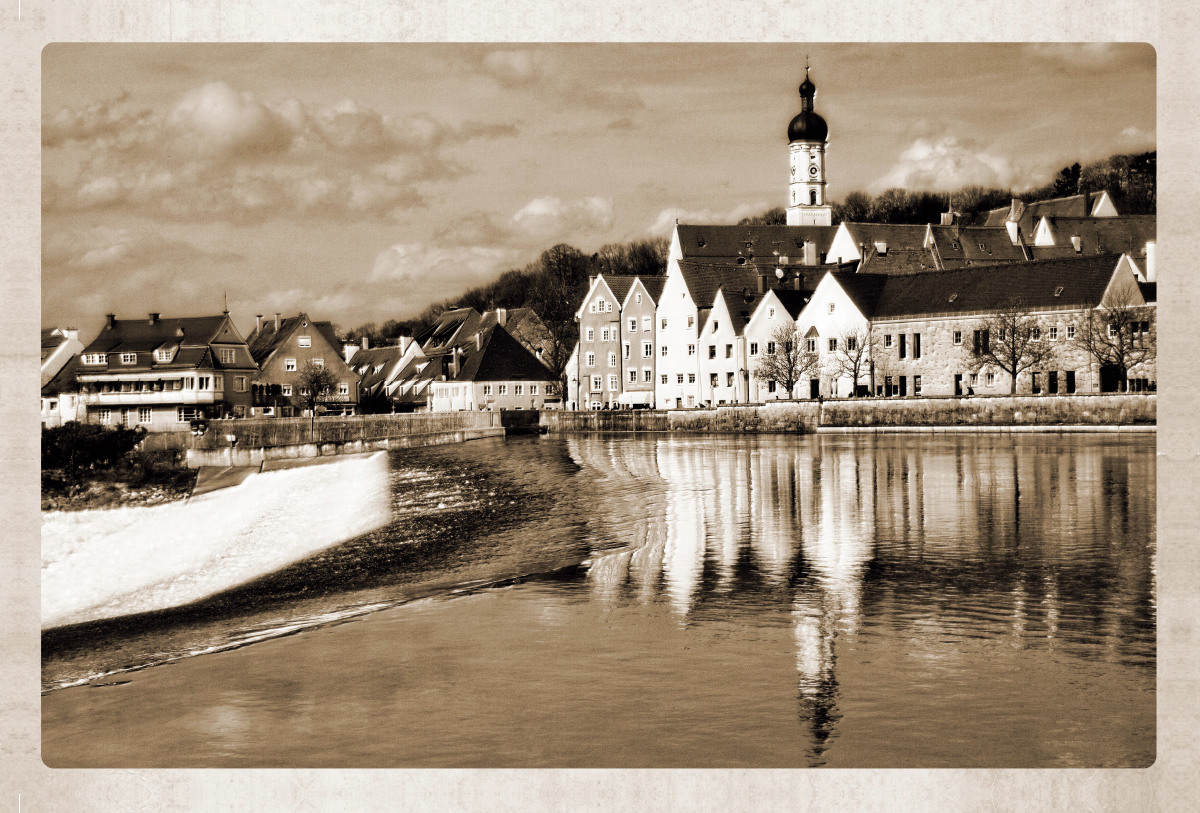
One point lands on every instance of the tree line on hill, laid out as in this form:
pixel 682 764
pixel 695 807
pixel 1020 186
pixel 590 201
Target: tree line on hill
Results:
pixel 1129 179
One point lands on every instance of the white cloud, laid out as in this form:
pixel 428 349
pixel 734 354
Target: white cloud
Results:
pixel 515 67
pixel 551 219
pixel 430 268
pixel 937 165
pixel 667 218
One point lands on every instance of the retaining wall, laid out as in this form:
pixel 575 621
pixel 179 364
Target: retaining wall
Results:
pixel 809 416
pixel 257 455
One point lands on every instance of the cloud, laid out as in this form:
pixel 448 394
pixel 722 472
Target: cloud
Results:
pixel 513 68
pixel 550 219
pixel 667 218
pixel 421 268
pixel 129 249
pixel 223 154
pixel 946 164
pixel 542 71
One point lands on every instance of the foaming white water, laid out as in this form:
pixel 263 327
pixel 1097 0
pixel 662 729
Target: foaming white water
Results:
pixel 101 564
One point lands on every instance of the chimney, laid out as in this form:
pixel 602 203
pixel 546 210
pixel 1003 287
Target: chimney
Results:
pixel 277 322
pixel 153 319
pixel 1076 243
pixel 258 323
pixel 366 342
pixel 947 218
pixel 502 316
pixel 478 340
pixel 797 281
pixel 112 321
pixel 810 252
pixel 762 283
pixel 1151 269
pixel 405 341
pixel 454 362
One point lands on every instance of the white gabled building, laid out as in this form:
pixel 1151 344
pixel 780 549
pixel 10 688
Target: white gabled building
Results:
pixel 839 309
pixel 774 309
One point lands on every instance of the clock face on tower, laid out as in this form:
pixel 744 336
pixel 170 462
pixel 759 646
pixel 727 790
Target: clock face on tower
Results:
pixel 813 170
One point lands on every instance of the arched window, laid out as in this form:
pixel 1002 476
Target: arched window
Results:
pixel 812 197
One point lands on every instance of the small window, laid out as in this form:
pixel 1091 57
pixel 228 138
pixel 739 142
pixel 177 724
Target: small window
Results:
pixel 502 389
pixel 600 304
pixel 533 389
pixel 712 351
pixel 319 363
pixel 691 378
pixel 145 414
pixel 691 321
pixel 832 345
pixel 729 351
pixel 1054 334
pixel 612 359
pixel 916 385
pixel 648 375
pixel 162 355
pixel 957 338
pixel 604 334
pixel 592 308
pixel 227 356
pixel 129 358
pixel 852 343
pixel 1070 331
pixel 887 340
pixel 770 386
pixel 754 348
pixel 715 326
pixel 287 389
pixel 770 313
pixel 516 389
pixel 728 379
pixel 289 365
pixel 591 334
pixel 663 325
pixel 679 378
pixel 982 247
pixel 633 325
pixel 613 383
pixel 639 299
pixel 832 305
pixel 954 245
pixel 632 376
pixel 664 351
pixel 811 345
pixel 770 348
pixel 1036 334
pixel 591 359
pixel 647 324
pixel 664 378
pixel 95 358
pixel 487 389
pixel 991 379
pixel 647 350
pixel 239 383
pixel 608 307
pixel 953 297
pixel 691 349
pixel 626 350
pixel 343 388
pixel 305 341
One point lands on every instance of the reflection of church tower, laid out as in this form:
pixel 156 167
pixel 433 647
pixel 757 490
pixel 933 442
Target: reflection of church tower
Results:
pixel 807 134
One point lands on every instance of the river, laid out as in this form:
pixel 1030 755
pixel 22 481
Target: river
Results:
pixel 981 600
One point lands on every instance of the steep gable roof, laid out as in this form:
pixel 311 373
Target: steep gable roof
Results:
pixel 265 341
pixel 64 380
pixel 1101 235
pixel 133 335
pixel 654 286
pixel 740 307
pixel 864 290
pixel 449 325
pixel 793 301
pixel 619 285
pixel 703 280
pixel 958 246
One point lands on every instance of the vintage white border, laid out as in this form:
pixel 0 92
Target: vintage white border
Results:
pixel 1170 25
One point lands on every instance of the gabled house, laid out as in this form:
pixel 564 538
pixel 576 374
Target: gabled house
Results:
pixel 853 241
pixel 601 337
pixel 281 349
pixel 59 345
pixel 379 370
pixel 837 317
pixel 638 310
pixel 1022 217
pixel 1134 235
pixel 773 309
pixel 960 246
pixel 724 378
pixel 162 374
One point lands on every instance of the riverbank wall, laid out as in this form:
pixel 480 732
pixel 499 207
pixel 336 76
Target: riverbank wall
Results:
pixel 945 412
pixel 252 443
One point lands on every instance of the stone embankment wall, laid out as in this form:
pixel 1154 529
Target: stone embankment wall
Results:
pixel 294 438
pixel 867 413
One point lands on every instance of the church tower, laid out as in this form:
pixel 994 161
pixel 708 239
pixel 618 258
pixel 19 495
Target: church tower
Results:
pixel 807 136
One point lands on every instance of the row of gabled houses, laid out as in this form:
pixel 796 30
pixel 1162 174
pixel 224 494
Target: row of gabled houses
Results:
pixel 910 293
pixel 167 374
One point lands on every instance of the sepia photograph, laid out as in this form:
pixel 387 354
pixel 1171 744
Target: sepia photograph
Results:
pixel 599 405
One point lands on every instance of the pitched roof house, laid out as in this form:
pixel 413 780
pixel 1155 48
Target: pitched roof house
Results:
pixel 281 349
pixel 161 373
pixel 58 346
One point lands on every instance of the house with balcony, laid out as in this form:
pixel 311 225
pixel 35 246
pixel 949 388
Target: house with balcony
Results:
pixel 161 374
pixel 281 349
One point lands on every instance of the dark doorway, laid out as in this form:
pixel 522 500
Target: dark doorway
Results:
pixel 1052 382
pixel 814 387
pixel 1070 381
pixel 903 385
pixel 958 383
pixel 1110 378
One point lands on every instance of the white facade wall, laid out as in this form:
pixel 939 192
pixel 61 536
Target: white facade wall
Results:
pixel 638 329
pixel 676 326
pixel 833 314
pixel 721 359
pixel 766 319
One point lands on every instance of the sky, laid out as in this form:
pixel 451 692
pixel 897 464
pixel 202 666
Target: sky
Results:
pixel 360 183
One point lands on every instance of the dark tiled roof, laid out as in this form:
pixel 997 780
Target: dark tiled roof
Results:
pixel 982 289
pixel 740 308
pixel 264 342
pixel 52 339
pixel 864 290
pixel 975 245
pixel 140 335
pixel 703 280
pixel 619 285
pixel 1102 235
pixel 1029 213
pixel 1052 252
pixel 724 244
pixel 64 380
pixel 654 286
pixel 459 321
pixel 895 235
pixel 384 358
pixel 897 261
pixel 793 301
pixel 501 358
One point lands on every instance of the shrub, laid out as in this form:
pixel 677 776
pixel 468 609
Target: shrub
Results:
pixel 75 446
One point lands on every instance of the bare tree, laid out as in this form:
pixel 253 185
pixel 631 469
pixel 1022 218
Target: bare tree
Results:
pixel 1118 335
pixel 787 360
pixel 1010 339
pixel 312 382
pixel 853 355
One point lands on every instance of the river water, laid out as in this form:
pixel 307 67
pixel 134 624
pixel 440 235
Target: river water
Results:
pixel 982 600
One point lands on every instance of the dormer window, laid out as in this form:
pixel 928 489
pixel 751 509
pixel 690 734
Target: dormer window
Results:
pixel 741 261
pixel 1058 291
pixel 700 242
pixel 95 358
pixel 162 355
pixel 953 297
pixel 306 341
pixel 954 245
pixel 982 247
pixel 129 358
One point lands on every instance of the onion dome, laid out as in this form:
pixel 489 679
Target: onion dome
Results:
pixel 808 126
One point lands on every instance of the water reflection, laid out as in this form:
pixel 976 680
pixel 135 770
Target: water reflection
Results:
pixel 1023 543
